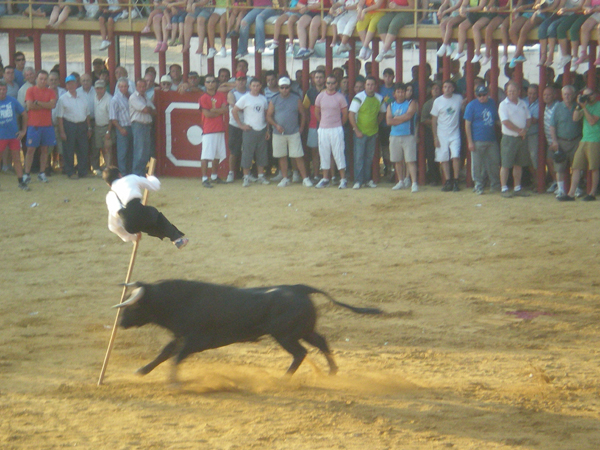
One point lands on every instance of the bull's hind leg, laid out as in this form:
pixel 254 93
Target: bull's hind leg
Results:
pixel 169 350
pixel 319 341
pixel 296 349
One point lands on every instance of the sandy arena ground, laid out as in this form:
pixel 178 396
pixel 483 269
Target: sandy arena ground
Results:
pixel 489 340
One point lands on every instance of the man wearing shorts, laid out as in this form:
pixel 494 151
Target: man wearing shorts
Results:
pixel 312 139
pixel 403 144
pixel 214 109
pixel 235 132
pixel 481 117
pixel 255 136
pixel 587 156
pixel 10 135
pixel 445 119
pixel 331 109
pixel 40 101
pixel 516 120
pixel 288 118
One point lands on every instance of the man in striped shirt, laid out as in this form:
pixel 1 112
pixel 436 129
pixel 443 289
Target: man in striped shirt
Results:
pixel 121 121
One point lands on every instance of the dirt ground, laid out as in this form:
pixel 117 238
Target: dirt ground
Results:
pixel 489 338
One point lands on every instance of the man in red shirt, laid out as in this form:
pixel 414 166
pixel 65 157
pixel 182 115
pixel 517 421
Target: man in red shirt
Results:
pixel 40 101
pixel 214 108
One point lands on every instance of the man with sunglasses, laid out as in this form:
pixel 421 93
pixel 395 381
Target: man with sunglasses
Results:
pixel 287 116
pixel 214 108
pixel 481 117
pixel 19 58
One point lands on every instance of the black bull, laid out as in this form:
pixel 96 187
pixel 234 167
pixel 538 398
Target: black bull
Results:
pixel 203 316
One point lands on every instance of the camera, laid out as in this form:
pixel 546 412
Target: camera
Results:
pixel 584 98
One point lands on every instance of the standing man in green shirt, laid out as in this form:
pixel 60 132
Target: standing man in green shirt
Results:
pixel 367 110
pixel 587 156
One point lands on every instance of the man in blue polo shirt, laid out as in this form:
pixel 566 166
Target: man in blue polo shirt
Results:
pixel 10 135
pixel 481 117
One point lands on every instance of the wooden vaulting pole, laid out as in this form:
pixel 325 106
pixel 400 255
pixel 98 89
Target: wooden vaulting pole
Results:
pixel 113 334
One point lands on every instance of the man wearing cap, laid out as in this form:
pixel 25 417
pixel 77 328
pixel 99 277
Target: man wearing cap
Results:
pixel 288 118
pixel 256 133
pixel 142 111
pixel 481 117
pixel 166 83
pixel 40 101
pixel 120 120
pixel 75 128
pixel 235 132
pixel 331 111
pixel 102 140
pixel 214 108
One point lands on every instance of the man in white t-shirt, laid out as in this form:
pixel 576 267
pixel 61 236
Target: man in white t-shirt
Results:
pixel 516 120
pixel 331 111
pixel 254 146
pixel 445 119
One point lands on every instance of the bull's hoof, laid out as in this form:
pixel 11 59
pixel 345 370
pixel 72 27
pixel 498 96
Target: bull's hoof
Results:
pixel 143 371
pixel 333 371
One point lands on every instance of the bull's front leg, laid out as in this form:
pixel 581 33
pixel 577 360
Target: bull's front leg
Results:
pixel 170 349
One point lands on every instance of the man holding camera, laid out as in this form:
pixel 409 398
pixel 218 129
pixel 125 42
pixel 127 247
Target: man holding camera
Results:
pixel 565 133
pixel 587 156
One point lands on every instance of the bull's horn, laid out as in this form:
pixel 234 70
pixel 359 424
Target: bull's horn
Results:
pixel 129 284
pixel 135 296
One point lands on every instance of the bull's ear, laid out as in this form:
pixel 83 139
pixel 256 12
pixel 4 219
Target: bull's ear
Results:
pixel 135 296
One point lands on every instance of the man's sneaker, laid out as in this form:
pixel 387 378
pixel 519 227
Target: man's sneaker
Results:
pixel 356 185
pixel 407 182
pixel 559 192
pixel 307 183
pixel 309 53
pixel 563 61
pixel 399 185
pixel 565 198
pixel 553 187
pixel 104 45
pixel 589 198
pixel 284 182
pixel 343 184
pixel 42 177
pixel 206 184
pixel 323 183
pixel 301 53
pixel 230 177
pixel 290 48
pixel 277 177
pixel 455 187
pixel 274 45
pixel 26 178
pixel 211 53
pixel 521 193
pixel 441 51
pixel 506 194
pixel 371 184
pixel 246 182
pixel 447 186
pixel 223 52
pixel 579 192
pixel 23 186
pixel 252 178
pixel 414 188
pixel 181 242
pixel 479 190
pixel 262 180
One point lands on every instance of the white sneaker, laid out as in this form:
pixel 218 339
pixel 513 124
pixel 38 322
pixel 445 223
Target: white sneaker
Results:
pixel 503 60
pixel 391 53
pixel 553 187
pixel 104 45
pixel 252 178
pixel 343 184
pixel 476 58
pixel 230 177
pixel 399 185
pixel 296 177
pixel 563 61
pixel 371 184
pixel 284 182
pixel 380 57
pixel 246 182
pixel 414 188
pixel 407 182
pixel 262 180
pixel 449 50
pixel 134 14
pixel 442 51
pixel 124 15
pixel 42 177
pixel 356 185
pixel 307 183
pixel 324 183
pixel 223 52
pixel 485 61
pixel 274 45
pixel 559 193
pixel 290 48
pixel 211 53
pixel 458 55
pixel 277 177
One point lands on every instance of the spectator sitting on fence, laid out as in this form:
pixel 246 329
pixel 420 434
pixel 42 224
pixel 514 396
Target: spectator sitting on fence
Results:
pixel 344 25
pixel 368 17
pixel 61 12
pixel 173 25
pixel 199 12
pixel 592 13
pixel 236 14
pixel 155 19
pixel 259 15
pixel 543 10
pixel 308 26
pixel 500 19
pixel 476 19
pixel 449 17
pixel 218 16
pixel 109 14
pixel 390 25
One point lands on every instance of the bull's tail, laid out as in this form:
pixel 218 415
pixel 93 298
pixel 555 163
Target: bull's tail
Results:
pixel 304 289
